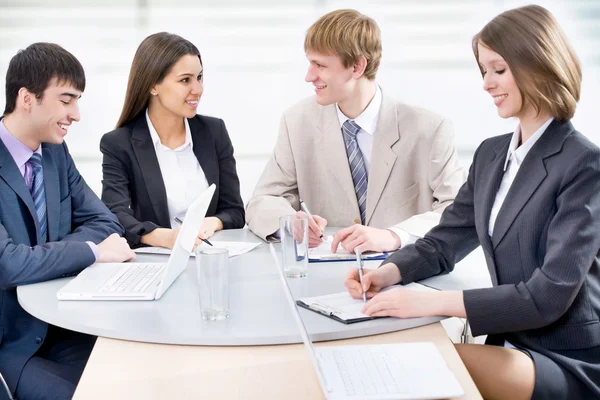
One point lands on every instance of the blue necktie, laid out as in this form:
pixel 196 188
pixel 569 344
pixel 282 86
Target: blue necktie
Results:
pixel 357 166
pixel 38 194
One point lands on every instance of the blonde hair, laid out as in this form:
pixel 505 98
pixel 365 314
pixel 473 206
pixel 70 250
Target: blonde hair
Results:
pixel 349 35
pixel 543 63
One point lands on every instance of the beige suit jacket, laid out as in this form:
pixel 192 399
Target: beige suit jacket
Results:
pixel 414 169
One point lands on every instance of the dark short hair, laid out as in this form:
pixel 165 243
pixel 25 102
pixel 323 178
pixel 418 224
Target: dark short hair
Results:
pixel 34 68
pixel 153 60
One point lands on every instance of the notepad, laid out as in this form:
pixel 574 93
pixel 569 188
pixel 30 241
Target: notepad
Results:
pixel 322 253
pixel 234 248
pixel 343 308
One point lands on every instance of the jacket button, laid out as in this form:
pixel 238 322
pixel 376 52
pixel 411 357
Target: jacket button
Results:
pixel 38 340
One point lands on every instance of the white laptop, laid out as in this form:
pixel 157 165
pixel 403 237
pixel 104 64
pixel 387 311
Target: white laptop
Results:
pixel 381 371
pixel 140 281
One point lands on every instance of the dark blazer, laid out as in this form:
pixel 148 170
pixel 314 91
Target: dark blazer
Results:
pixel 133 187
pixel 75 215
pixel 543 256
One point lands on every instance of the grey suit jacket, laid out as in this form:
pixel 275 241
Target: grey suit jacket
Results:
pixel 414 169
pixel 543 256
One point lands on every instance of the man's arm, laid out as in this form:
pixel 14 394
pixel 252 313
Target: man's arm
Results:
pixel 445 176
pixel 21 264
pixel 276 192
pixel 91 220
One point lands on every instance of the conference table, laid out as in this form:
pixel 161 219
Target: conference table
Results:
pixel 163 349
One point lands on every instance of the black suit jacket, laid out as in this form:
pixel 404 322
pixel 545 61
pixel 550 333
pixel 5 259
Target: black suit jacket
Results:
pixel 543 255
pixel 133 187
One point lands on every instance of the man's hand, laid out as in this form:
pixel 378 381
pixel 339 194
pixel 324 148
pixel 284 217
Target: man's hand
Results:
pixel 365 238
pixel 316 227
pixel 114 249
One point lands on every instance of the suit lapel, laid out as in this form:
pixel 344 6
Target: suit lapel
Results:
pixel 532 173
pixel 51 188
pixel 144 151
pixel 492 176
pixel 333 151
pixel 204 151
pixel 383 157
pixel 11 175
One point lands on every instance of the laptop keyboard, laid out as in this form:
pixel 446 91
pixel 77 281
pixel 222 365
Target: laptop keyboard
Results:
pixel 136 278
pixel 371 370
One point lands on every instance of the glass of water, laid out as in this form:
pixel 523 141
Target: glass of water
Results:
pixel 212 266
pixel 293 231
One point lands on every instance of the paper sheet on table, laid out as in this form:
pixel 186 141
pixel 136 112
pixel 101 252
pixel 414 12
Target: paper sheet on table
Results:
pixel 234 248
pixel 344 307
pixel 323 253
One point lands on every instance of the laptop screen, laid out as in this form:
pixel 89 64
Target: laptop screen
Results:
pixel 299 322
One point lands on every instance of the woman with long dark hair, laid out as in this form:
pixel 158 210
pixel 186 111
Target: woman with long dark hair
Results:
pixel 162 154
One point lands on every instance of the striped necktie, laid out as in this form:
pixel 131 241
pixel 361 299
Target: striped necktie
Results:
pixel 357 166
pixel 38 194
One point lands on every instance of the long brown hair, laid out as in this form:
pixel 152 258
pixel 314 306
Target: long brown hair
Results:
pixel 543 63
pixel 152 62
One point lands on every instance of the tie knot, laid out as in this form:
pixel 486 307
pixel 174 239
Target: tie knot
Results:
pixel 350 128
pixel 36 160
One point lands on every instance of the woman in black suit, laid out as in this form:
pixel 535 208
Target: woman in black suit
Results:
pixel 532 201
pixel 162 154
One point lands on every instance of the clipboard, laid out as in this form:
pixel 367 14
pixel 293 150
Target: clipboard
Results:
pixel 332 313
pixel 322 253
pixel 349 257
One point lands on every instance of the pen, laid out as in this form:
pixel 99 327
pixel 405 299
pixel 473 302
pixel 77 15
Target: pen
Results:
pixel 180 221
pixel 359 261
pixel 305 209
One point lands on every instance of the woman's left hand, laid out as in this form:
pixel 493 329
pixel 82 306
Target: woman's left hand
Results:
pixel 209 226
pixel 401 303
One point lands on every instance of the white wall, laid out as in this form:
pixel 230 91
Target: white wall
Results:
pixel 255 66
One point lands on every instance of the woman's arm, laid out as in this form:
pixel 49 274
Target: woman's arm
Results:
pixel 230 207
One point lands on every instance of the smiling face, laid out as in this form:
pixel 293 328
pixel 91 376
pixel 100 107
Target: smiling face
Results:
pixel 52 115
pixel 500 83
pixel 333 82
pixel 181 89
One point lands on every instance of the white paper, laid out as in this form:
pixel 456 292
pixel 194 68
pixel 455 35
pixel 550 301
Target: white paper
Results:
pixel 234 248
pixel 323 252
pixel 343 306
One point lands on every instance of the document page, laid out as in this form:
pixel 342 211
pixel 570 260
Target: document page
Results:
pixel 343 306
pixel 235 248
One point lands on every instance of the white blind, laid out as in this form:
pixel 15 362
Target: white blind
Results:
pixel 255 65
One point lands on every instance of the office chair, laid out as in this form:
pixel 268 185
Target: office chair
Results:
pixel 6 387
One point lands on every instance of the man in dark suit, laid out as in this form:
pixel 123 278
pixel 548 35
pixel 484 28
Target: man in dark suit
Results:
pixel 51 223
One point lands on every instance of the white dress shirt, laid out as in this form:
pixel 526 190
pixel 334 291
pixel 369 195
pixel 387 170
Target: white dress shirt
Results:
pixel 181 172
pixel 514 157
pixel 367 121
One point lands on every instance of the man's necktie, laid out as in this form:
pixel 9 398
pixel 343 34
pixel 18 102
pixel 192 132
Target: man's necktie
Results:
pixel 39 194
pixel 357 166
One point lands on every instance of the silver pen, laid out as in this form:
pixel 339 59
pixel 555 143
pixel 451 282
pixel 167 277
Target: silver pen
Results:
pixel 304 208
pixel 359 261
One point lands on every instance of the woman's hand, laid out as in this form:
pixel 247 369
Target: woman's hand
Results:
pixel 209 226
pixel 401 302
pixel 373 280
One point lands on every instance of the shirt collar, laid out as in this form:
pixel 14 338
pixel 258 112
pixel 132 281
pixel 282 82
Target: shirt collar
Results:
pixel 19 152
pixel 367 120
pixel 521 151
pixel 156 138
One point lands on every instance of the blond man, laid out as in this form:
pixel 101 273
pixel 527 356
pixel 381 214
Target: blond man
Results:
pixel 355 156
